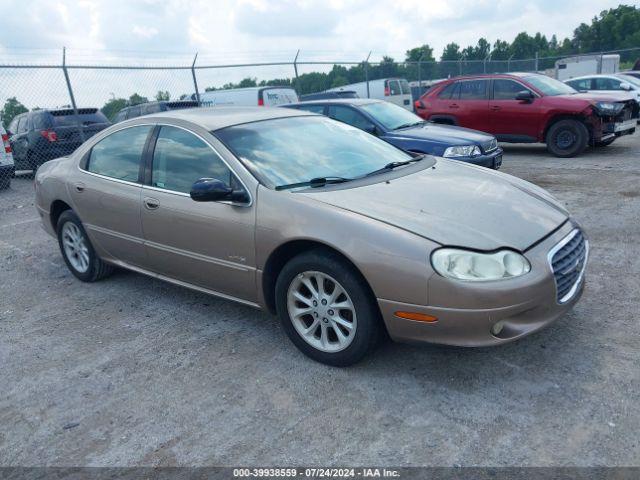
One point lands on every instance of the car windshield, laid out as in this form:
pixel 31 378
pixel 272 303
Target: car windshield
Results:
pixel 391 116
pixel 550 86
pixel 291 150
pixel 629 79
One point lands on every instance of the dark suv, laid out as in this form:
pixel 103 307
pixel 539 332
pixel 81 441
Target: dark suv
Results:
pixel 43 135
pixel 528 107
pixel 152 107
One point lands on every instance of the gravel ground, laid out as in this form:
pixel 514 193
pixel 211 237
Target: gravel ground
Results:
pixel 134 371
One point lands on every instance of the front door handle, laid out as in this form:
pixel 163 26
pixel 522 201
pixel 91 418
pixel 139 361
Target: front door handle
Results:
pixel 79 187
pixel 454 105
pixel 151 203
pixel 495 108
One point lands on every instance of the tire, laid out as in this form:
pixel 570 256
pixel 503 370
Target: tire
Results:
pixel 567 138
pixel 85 264
pixel 606 142
pixel 361 311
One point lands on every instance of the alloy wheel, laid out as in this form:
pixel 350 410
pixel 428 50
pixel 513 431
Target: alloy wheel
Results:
pixel 75 247
pixel 321 311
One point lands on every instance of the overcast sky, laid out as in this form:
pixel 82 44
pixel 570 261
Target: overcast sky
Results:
pixel 258 29
pixel 242 31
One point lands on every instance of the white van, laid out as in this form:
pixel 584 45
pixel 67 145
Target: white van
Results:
pixel 250 97
pixel 7 166
pixel 393 90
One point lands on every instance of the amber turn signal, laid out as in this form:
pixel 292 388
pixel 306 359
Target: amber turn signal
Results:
pixel 420 317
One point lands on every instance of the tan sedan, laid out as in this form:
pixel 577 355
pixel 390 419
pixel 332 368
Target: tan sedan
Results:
pixel 339 233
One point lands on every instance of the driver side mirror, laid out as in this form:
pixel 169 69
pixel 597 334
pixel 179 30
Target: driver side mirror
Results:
pixel 525 96
pixel 625 86
pixel 214 190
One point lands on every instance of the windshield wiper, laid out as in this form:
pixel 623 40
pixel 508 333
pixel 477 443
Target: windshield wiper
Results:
pixel 315 182
pixel 392 165
pixel 410 124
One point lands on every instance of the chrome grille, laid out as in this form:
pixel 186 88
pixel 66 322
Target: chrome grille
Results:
pixel 568 260
pixel 490 146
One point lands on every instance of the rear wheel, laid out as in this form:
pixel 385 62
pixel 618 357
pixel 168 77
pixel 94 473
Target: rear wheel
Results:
pixel 567 138
pixel 77 251
pixel 326 309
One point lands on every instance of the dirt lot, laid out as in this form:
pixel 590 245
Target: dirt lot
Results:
pixel 133 371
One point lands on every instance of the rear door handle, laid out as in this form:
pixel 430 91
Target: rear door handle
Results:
pixel 495 108
pixel 151 203
pixel 454 105
pixel 79 187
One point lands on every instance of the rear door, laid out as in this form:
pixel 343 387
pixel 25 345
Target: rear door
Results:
pixel 511 119
pixel 106 192
pixel 269 97
pixel 19 138
pixel 398 93
pixel 471 107
pixel 208 244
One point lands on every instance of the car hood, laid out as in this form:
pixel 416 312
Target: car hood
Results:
pixel 455 204
pixel 438 133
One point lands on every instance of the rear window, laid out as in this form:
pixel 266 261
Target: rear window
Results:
pixel 473 90
pixel 87 116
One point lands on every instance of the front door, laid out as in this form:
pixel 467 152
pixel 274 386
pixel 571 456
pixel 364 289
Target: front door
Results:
pixel 106 193
pixel 511 119
pixel 208 244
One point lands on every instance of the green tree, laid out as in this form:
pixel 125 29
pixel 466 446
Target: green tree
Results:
pixel 424 52
pixel 136 99
pixel 500 50
pixel 112 107
pixel 160 96
pixel 451 52
pixel 12 107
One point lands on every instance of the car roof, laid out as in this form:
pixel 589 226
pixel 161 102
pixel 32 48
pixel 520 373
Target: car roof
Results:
pixel 216 118
pixel 595 75
pixel 346 101
pixel 488 76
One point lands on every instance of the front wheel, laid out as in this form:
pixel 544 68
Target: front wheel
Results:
pixel 567 138
pixel 326 309
pixel 77 251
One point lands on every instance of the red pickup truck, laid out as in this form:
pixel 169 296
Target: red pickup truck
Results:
pixel 528 107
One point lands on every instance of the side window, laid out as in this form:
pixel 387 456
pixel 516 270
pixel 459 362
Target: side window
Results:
pixel 606 84
pixel 13 126
pixel 394 87
pixel 349 116
pixel 404 85
pixel 134 112
pixel 506 89
pixel 122 115
pixel 584 84
pixel 473 90
pixel 313 108
pixel 180 158
pixel 118 155
pixel 22 124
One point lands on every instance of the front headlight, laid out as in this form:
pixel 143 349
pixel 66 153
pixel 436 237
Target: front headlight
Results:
pixel 462 151
pixel 609 108
pixel 479 267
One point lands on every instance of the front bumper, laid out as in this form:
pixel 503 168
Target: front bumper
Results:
pixel 467 312
pixel 489 160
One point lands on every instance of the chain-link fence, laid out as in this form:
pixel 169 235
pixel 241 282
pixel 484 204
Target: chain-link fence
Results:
pixel 50 107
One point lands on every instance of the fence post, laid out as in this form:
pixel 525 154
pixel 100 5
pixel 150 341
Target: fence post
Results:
pixel 420 72
pixel 536 67
pixel 295 67
pixel 366 73
pixel 195 79
pixel 509 63
pixel 73 99
pixel 460 63
pixel 600 63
